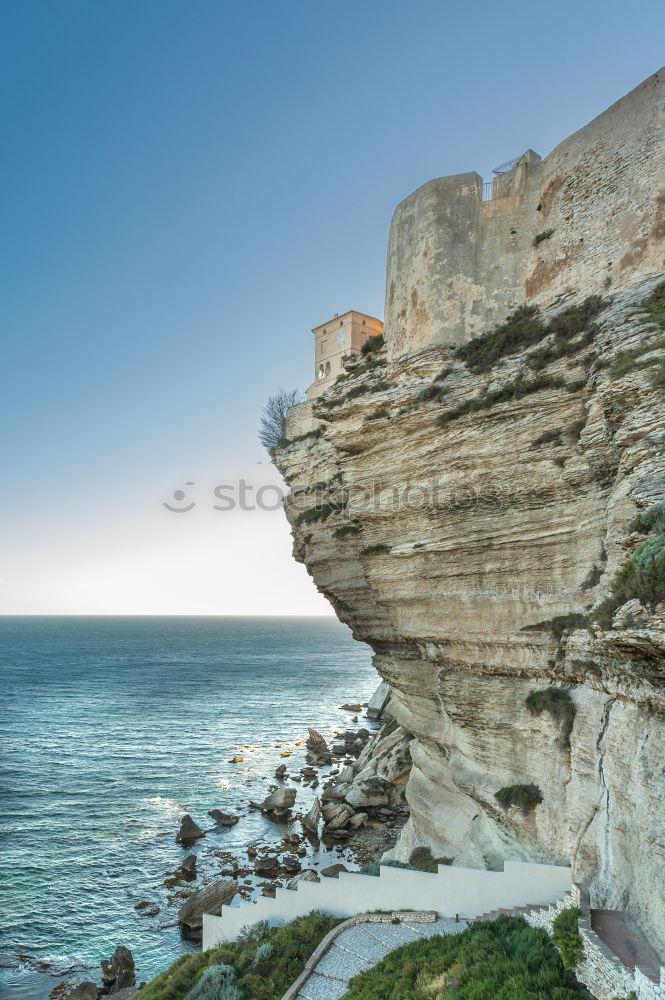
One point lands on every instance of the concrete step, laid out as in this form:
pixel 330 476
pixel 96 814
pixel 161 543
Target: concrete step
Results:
pixel 359 942
pixel 322 988
pixel 340 963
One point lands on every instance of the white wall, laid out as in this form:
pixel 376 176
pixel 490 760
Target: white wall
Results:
pixel 467 891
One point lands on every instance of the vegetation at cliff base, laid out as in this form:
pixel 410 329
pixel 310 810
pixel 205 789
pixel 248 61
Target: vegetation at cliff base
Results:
pixel 256 971
pixel 560 706
pixel 567 937
pixel 504 959
pixel 421 859
pixel 527 797
pixel 643 574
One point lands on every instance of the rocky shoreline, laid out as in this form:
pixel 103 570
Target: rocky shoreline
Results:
pixel 354 816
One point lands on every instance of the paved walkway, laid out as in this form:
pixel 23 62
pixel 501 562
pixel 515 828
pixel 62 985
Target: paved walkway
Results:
pixel 626 940
pixel 359 948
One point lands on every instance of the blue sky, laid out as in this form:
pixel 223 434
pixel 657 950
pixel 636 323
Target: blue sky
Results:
pixel 188 188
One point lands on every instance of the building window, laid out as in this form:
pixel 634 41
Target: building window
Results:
pixel 324 344
pixel 341 338
pixel 341 322
pixel 320 372
pixel 327 368
pixel 363 322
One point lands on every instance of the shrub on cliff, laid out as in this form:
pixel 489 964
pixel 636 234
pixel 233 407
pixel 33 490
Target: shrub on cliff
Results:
pixel 374 343
pixel 524 328
pixel 643 574
pixel 527 797
pixel 504 959
pixel 567 938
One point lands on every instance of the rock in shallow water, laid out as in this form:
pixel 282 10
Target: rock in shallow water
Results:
pixel 118 972
pixel 223 819
pixel 189 830
pixel 207 900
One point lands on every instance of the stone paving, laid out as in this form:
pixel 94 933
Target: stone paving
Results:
pixel 359 948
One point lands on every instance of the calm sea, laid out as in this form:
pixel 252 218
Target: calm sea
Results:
pixel 112 728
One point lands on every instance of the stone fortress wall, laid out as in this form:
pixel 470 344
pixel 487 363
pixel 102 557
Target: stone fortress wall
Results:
pixel 458 265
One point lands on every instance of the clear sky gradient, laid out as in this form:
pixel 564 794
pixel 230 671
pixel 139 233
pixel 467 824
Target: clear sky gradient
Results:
pixel 188 188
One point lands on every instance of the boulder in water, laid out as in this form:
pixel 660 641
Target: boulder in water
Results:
pixel 207 900
pixel 188 868
pixel 189 830
pixel 223 819
pixel 118 972
pixel 84 991
pixel 279 802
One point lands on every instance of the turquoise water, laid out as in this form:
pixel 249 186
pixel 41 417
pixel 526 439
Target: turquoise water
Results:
pixel 112 729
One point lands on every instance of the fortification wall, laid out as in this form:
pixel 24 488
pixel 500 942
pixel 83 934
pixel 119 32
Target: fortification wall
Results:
pixel 457 265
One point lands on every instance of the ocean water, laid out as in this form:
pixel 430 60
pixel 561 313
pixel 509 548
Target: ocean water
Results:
pixel 112 728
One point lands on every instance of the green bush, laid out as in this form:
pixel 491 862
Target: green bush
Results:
pixel 541 237
pixel 516 389
pixel 560 706
pixel 347 529
pixel 652 519
pixel 216 983
pixel 527 797
pixel 430 392
pixel 567 937
pixel 377 549
pixel 504 959
pixel 358 390
pixel 262 953
pixel 421 859
pixel 292 946
pixel 524 328
pixel 521 329
pixel 389 728
pixel 643 575
pixel 319 513
pixel 372 344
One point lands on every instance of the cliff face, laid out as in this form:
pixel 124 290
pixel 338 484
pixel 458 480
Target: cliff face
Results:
pixel 464 520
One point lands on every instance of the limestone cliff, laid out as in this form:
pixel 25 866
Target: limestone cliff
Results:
pixel 464 518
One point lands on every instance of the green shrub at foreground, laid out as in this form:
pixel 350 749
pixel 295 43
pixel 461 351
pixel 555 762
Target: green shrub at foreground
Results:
pixel 259 975
pixel 505 959
pixel 567 938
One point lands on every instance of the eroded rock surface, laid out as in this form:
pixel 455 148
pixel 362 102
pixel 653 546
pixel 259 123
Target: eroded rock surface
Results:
pixel 469 555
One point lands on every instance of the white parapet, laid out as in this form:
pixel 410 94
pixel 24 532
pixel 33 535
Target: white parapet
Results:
pixel 464 891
